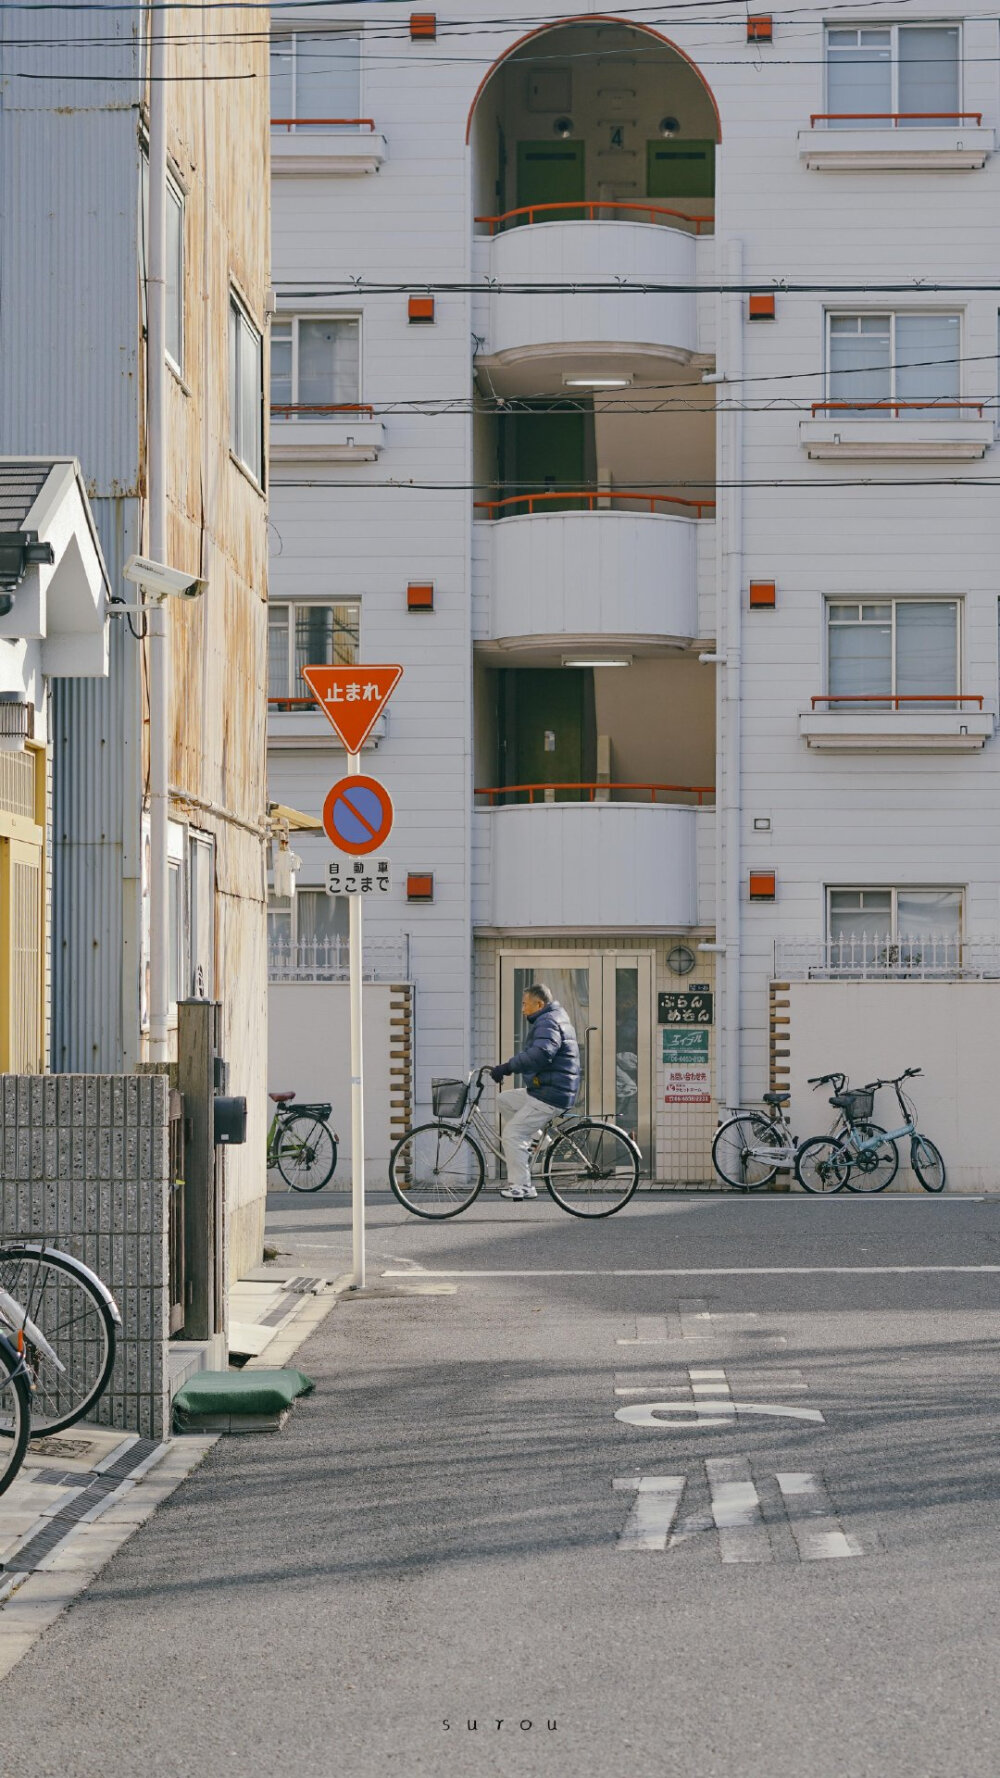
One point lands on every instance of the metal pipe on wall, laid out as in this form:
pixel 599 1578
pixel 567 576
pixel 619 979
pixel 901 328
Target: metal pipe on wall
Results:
pixel 156 510
pixel 730 813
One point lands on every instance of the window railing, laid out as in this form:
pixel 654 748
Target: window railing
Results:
pixel 953 700
pixel 328 959
pixel 587 209
pixel 943 402
pixel 322 123
pixel 593 791
pixel 589 500
pixel 895 117
pixel 873 956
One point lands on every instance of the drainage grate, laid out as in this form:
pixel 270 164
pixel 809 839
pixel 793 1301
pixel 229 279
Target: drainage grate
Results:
pixel 99 1485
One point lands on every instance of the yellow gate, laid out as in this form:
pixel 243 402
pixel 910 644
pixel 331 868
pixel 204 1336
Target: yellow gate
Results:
pixel 22 912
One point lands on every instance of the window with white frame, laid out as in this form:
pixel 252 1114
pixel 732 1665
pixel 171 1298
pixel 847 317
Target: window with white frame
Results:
pixel 307 933
pixel 315 80
pixel 903 649
pixel 315 365
pixel 881 77
pixel 174 282
pixel 246 390
pixel 898 365
pixel 307 634
pixel 894 928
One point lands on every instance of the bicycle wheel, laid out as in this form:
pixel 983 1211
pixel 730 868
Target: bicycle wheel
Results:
pixel 874 1168
pixel 736 1151
pixel 927 1163
pixel 15 1414
pixel 306 1152
pixel 591 1169
pixel 821 1165
pixel 57 1293
pixel 436 1170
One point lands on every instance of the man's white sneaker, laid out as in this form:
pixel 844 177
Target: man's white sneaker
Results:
pixel 529 1192
pixel 507 1192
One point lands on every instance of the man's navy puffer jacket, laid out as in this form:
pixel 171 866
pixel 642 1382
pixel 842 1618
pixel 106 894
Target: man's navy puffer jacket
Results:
pixel 550 1060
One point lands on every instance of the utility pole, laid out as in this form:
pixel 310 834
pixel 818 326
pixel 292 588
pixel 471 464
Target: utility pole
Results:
pixel 156 503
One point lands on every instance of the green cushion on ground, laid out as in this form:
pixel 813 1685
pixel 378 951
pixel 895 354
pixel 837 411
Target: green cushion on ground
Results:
pixel 208 1393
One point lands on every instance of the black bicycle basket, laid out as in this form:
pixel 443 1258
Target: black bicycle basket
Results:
pixel 320 1111
pixel 449 1097
pixel 856 1105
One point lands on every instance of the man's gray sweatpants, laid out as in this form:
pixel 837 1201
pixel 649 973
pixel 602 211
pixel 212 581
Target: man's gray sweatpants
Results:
pixel 521 1118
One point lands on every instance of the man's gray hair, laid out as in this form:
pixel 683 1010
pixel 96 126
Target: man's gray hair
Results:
pixel 539 991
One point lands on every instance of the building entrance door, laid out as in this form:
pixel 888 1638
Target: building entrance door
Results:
pixel 550 173
pixel 609 997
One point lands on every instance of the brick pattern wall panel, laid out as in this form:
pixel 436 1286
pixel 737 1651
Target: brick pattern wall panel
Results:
pixel 83 1162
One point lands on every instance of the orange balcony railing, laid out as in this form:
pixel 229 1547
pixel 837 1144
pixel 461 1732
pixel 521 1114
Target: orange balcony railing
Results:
pixel 323 123
pixel 586 210
pixel 894 117
pixel 895 407
pixel 588 790
pixel 591 497
pixel 956 700
pixel 293 408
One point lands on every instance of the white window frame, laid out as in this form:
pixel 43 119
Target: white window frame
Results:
pixel 894 63
pixel 355 33
pixel 893 600
pixel 176 194
pixel 238 308
pixel 947 407
pixel 293 607
pixel 894 890
pixel 293 321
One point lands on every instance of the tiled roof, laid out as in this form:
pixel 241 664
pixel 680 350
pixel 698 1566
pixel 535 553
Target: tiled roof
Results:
pixel 20 486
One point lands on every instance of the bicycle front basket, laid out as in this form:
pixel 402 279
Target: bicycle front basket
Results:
pixel 857 1105
pixel 449 1097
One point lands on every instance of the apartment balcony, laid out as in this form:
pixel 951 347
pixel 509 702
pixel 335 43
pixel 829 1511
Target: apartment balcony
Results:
pixel 941 723
pixel 610 331
pixel 896 142
pixel 624 858
pixel 622 565
pixel 310 433
pixel 318 147
pixel 900 431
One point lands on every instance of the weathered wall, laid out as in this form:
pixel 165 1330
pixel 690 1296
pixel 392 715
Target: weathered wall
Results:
pixel 869 1029
pixel 83 1161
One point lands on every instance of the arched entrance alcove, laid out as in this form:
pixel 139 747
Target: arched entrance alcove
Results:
pixel 598 110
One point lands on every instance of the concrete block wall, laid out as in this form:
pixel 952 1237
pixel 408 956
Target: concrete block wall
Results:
pixel 83 1161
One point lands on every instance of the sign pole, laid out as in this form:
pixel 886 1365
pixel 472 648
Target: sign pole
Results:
pixel 357 1080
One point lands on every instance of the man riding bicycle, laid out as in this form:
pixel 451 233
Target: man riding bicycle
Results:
pixel 550 1063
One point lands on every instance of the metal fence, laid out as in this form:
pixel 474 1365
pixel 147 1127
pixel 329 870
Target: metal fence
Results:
pixel 865 956
pixel 328 959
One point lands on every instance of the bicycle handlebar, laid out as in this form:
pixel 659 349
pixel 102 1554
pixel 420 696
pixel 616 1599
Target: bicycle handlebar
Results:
pixel 838 1081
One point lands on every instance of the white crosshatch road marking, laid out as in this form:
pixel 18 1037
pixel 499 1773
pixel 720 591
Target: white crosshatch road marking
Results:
pixel 694 1320
pixel 709 1402
pixel 735 1528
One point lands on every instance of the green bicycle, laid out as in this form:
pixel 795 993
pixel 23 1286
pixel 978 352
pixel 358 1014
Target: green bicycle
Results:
pixel 300 1144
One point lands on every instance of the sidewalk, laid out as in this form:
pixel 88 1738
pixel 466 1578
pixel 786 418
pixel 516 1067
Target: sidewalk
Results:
pixel 80 1495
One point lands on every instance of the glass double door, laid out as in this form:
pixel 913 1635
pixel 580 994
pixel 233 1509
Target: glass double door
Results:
pixel 609 998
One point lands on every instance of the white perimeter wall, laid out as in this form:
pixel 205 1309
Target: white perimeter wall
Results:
pixel 309 1051
pixel 870 1029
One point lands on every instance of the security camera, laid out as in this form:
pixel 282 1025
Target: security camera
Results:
pixel 158 581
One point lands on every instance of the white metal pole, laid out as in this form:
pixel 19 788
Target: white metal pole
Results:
pixel 730 815
pixel 357 1082
pixel 156 497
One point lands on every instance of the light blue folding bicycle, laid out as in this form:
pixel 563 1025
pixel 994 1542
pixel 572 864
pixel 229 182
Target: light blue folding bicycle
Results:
pixel 869 1162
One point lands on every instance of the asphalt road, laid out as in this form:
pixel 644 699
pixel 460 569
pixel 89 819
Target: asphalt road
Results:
pixel 435 1540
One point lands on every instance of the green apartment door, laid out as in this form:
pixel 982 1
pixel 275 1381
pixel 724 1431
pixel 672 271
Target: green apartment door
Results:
pixel 550 173
pixel 548 452
pixel 680 169
pixel 545 726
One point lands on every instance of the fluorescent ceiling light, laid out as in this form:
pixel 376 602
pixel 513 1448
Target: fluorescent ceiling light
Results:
pixel 590 660
pixel 583 381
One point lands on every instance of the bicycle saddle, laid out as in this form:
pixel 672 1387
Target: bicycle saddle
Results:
pixel 281 1098
pixel 776 1098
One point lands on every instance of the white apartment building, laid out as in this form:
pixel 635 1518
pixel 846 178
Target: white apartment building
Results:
pixel 634 386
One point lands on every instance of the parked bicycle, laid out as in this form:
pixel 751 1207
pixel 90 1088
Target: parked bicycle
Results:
pixel 301 1144
pixel 752 1146
pixel 59 1327
pixel 589 1166
pixel 868 1163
